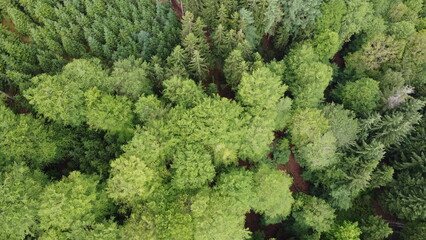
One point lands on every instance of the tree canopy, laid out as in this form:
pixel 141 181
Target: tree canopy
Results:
pixel 212 120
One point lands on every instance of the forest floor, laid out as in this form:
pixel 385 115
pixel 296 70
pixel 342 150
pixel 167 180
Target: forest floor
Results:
pixel 177 7
pixel 338 59
pixel 295 170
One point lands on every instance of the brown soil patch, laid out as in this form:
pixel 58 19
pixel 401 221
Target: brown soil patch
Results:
pixel 177 7
pixel 7 22
pixel 338 59
pixel 295 170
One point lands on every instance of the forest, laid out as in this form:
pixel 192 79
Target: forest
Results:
pixel 212 119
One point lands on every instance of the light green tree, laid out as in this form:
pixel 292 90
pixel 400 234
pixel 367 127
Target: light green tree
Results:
pixel 343 124
pixel 21 191
pixel 361 96
pixel 306 76
pixel 107 112
pixel 275 205
pixel 25 139
pixel 184 92
pixel 312 216
pixel 346 230
pixel 130 77
pixel 308 126
pixel 234 68
pixel 73 205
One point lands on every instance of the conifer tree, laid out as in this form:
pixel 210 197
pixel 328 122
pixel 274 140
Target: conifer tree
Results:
pixel 234 67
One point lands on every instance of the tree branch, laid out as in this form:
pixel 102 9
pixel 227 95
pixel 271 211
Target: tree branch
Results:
pixel 7 95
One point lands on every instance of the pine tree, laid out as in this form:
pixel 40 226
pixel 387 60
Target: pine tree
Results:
pixel 177 62
pixel 198 65
pixel 234 67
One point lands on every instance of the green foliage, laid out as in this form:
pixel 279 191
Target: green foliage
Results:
pixel 346 230
pixel 345 179
pixel 234 67
pixel 332 12
pixel 192 168
pixel 374 228
pixel 137 173
pixel 394 127
pixel 361 96
pixel 184 92
pixel 414 231
pixel 130 77
pixel 25 139
pixel 283 113
pixel 275 205
pixel 281 151
pixel 381 176
pixel 318 154
pixel 63 103
pixel 358 16
pixel 343 124
pixel 306 76
pixel 72 204
pixel 22 22
pixel 312 215
pixel 308 126
pixel 260 91
pixel 380 51
pixel 300 15
pixel 69 28
pixel 20 189
pixel 149 108
pixel 326 45
pixel 106 112
pixel 402 30
pixel 61 97
pixel 405 195
pixel 178 112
